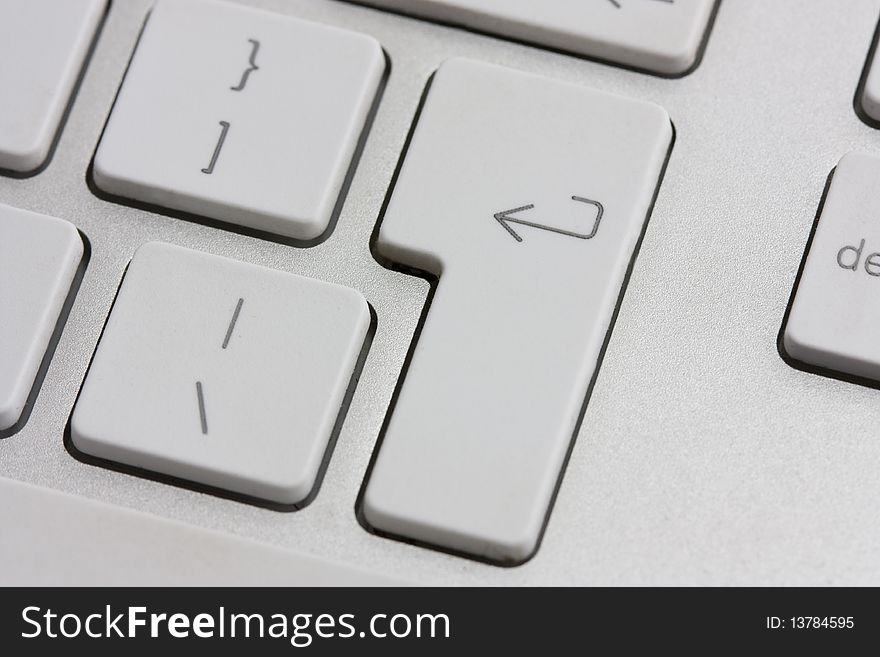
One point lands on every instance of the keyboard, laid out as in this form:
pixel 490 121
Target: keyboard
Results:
pixel 439 291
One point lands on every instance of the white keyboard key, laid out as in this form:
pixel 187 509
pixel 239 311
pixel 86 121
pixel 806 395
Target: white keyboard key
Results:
pixel 527 196
pixel 663 36
pixel 240 115
pixel 222 373
pixel 39 259
pixel 834 317
pixel 43 45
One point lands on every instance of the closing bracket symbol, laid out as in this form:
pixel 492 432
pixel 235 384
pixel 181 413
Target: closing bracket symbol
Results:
pixel 224 128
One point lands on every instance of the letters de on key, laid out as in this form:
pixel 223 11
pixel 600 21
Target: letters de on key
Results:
pixel 850 257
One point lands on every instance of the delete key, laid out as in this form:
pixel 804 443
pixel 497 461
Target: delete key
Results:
pixel 834 321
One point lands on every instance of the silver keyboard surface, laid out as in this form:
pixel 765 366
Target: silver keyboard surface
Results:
pixel 702 458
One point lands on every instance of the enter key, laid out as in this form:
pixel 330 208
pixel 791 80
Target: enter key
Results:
pixel 526 197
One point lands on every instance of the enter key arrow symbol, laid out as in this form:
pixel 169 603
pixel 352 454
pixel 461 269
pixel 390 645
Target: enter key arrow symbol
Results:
pixel 505 219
